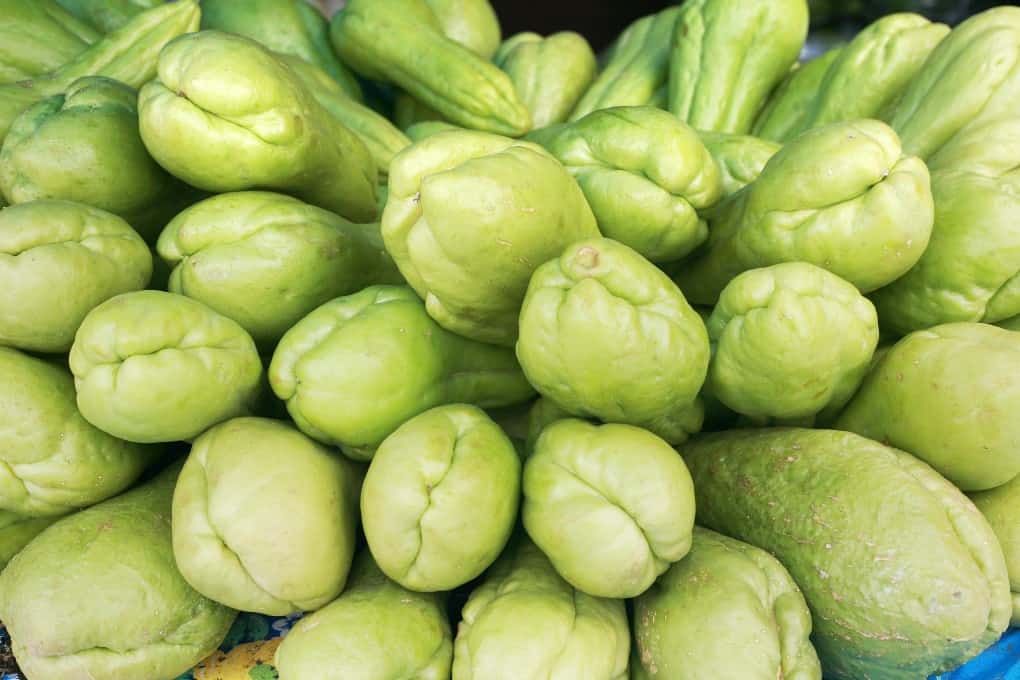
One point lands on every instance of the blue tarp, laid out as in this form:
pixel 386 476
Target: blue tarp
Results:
pixel 999 662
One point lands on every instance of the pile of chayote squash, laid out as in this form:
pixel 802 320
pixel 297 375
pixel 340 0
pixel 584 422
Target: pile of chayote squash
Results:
pixel 451 340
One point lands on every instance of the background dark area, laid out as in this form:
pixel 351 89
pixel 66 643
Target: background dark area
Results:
pixel 600 22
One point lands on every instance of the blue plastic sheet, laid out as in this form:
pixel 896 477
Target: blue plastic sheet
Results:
pixel 999 662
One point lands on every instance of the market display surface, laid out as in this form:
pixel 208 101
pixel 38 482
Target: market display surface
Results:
pixel 385 345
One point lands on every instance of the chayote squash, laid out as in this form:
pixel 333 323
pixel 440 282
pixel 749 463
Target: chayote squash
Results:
pixel 514 421
pixel 458 479
pixel 612 506
pixel 871 72
pixel 645 175
pixel 470 216
pixel 37 36
pixel 949 396
pixel 83 145
pixel 338 397
pixel 542 413
pixel 637 66
pixel 843 197
pixel 402 42
pixel 550 74
pixel 108 15
pixel 389 633
pixel 290 27
pixel 740 158
pixel 427 128
pixel 728 55
pixel 524 604
pixel 59 260
pixel 471 23
pixel 599 303
pixel 98 595
pixel 383 139
pixel 17 531
pixel 819 331
pixel 53 460
pixel 128 54
pixel 971 269
pixel 723 596
pixel 296 255
pixel 408 111
pixel 660 99
pixel 903 575
pixel 225 114
pixel 790 101
pixel 1001 507
pixel 972 76
pixel 252 491
pixel 151 366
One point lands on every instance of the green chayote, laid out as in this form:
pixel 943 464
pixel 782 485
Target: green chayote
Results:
pixel 83 145
pixel 740 158
pixel 426 128
pixel 550 73
pixel 600 304
pixel 408 111
pixel 471 23
pixel 128 54
pixel 151 366
pixel 842 197
pixel 58 260
pixel 645 175
pixel 543 412
pixel 660 98
pixel 637 66
pixel 358 367
pixel 1001 507
pixel 792 98
pixel 297 257
pixel 37 36
pixel 440 498
pixel 818 331
pixel 969 272
pixel 107 15
pixel 524 622
pixel 388 632
pixel 402 41
pixel 384 141
pixel 97 595
pixel 728 55
pixel 17 531
pixel 972 76
pixel 949 396
pixel 871 71
pixel 253 493
pixel 612 506
pixel 225 114
pixel 292 27
pixel 470 216
pixel 724 596
pixel 53 460
pixel 514 420
pixel 903 575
